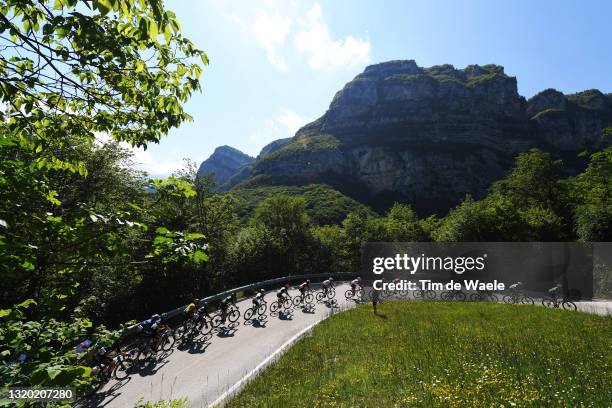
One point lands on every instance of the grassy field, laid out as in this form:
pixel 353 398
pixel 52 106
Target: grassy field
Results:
pixel 437 354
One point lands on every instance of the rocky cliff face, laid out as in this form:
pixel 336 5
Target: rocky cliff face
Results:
pixel 224 163
pixel 429 136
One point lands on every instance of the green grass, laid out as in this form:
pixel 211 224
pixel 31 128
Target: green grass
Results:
pixel 438 354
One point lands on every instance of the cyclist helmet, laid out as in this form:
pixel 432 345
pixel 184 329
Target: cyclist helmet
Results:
pixel 331 279
pixel 156 317
pixel 196 301
pixel 262 291
pixel 307 280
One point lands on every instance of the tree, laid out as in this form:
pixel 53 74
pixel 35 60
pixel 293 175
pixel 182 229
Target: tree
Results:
pixel 77 67
pixel 74 73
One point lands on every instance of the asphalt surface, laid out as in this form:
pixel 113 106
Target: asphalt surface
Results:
pixel 207 368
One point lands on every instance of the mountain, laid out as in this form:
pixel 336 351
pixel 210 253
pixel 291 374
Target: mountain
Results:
pixel 429 136
pixel 224 163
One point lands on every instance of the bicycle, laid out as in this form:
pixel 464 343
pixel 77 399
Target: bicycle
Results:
pixel 306 298
pixel 517 297
pixel 329 294
pixel 114 367
pixel 565 303
pixel 483 297
pixel 285 304
pixel 423 294
pixel 162 340
pixel 232 315
pixel 453 295
pixel 259 310
pixel 350 294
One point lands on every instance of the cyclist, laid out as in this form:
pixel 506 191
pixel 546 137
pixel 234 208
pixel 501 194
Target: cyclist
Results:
pixel 203 310
pixel 304 286
pixel 554 291
pixel 149 327
pixel 354 283
pixel 282 294
pixel 516 287
pixel 259 298
pixel 225 304
pixel 327 284
pixel 191 309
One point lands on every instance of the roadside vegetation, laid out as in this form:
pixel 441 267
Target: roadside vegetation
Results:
pixel 438 354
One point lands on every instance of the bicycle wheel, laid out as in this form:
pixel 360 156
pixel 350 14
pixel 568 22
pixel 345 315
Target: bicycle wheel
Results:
pixel 261 310
pixel 548 302
pixel 348 294
pixel 508 299
pixel 167 341
pixel 274 307
pixel 460 296
pixel 430 294
pixel 287 304
pixel 418 294
pixel 297 300
pixel 320 296
pixel 474 297
pixel 403 293
pixel 526 300
pixel 309 298
pixel 217 320
pixel 569 305
pixel 248 314
pixel 444 295
pixel 120 370
pixel 493 298
pixel 234 315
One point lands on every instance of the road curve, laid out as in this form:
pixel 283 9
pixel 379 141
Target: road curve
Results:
pixel 206 369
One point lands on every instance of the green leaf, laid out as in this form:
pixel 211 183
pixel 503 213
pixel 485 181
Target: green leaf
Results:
pixel 26 303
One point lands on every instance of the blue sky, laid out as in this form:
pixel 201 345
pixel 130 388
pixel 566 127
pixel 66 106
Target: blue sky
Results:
pixel 276 64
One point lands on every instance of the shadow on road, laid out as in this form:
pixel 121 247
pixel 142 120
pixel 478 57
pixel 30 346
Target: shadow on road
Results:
pixel 228 330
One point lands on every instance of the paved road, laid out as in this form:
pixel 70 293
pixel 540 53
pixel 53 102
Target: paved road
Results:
pixel 206 369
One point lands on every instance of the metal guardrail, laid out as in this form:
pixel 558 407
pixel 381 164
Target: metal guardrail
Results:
pixel 256 285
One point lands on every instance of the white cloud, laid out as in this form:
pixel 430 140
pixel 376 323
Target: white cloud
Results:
pixel 143 159
pixel 323 52
pixel 270 31
pixel 286 30
pixel 282 125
